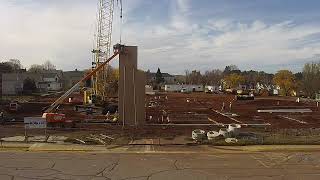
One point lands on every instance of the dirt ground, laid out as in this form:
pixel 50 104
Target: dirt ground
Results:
pixel 171 115
pixel 201 108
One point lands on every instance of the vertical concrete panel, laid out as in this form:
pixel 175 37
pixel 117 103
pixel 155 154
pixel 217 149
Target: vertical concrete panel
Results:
pixel 127 68
pixel 131 89
pixel 140 82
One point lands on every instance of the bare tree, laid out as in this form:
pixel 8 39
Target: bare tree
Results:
pixel 212 77
pixel 47 65
pixel 194 77
pixel 15 64
pixel 36 68
pixel 5 67
pixel 231 69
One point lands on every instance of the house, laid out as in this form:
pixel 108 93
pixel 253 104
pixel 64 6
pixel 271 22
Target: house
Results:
pixel 184 87
pixel 12 83
pixel 318 96
pixel 211 89
pixel 70 78
pixel 5 68
pixel 50 82
pixel 173 88
pixel 168 78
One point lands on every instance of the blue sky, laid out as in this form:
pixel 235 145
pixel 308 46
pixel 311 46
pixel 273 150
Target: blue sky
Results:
pixel 174 35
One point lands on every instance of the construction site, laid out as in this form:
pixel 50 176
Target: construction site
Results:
pixel 85 113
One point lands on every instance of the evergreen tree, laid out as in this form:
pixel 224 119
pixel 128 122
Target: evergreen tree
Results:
pixel 159 78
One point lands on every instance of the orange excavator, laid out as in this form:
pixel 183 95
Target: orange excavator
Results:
pixel 50 114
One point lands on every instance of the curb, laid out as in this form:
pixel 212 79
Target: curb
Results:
pixel 49 147
pixel 279 148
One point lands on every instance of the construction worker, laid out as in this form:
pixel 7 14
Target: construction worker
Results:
pixel 2 117
pixel 108 115
pixel 115 116
pixel 164 115
pixel 223 107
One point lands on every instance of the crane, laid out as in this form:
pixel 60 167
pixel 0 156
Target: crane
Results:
pixel 103 45
pixel 49 114
pixel 98 74
pixel 117 49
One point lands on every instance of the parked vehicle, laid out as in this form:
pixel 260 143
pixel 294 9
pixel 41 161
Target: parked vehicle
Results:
pixel 57 120
pixel 14 107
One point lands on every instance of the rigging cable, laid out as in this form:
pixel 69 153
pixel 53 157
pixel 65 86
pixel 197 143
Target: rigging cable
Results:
pixel 121 18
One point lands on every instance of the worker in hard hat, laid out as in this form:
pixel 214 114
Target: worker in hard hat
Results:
pixel 2 117
pixel 223 107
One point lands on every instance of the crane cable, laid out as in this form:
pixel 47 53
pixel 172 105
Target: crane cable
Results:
pixel 121 18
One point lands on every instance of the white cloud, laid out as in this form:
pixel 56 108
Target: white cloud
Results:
pixel 62 32
pixel 253 44
pixel 65 36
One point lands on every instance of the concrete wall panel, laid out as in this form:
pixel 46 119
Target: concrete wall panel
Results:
pixel 127 67
pixel 131 88
pixel 140 82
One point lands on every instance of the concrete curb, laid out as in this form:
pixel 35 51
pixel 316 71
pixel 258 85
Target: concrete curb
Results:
pixel 49 147
pixel 273 148
pixel 14 145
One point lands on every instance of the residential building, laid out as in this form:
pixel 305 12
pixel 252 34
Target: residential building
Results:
pixel 168 78
pixel 184 87
pixel 211 89
pixel 70 78
pixel 12 83
pixel 50 82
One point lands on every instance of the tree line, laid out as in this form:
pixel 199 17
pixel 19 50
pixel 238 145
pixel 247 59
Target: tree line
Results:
pixel 14 65
pixel 306 83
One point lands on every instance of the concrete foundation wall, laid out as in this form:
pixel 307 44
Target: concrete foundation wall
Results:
pixel 140 83
pixel 131 88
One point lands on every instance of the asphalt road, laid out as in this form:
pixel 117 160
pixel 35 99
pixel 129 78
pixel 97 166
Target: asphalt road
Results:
pixel 159 166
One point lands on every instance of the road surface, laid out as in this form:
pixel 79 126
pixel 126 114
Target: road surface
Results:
pixel 159 166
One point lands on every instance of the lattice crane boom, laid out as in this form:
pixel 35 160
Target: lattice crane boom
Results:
pixel 103 45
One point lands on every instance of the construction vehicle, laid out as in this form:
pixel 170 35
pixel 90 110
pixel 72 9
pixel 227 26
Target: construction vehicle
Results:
pixel 14 107
pixel 98 74
pixel 244 95
pixel 51 115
